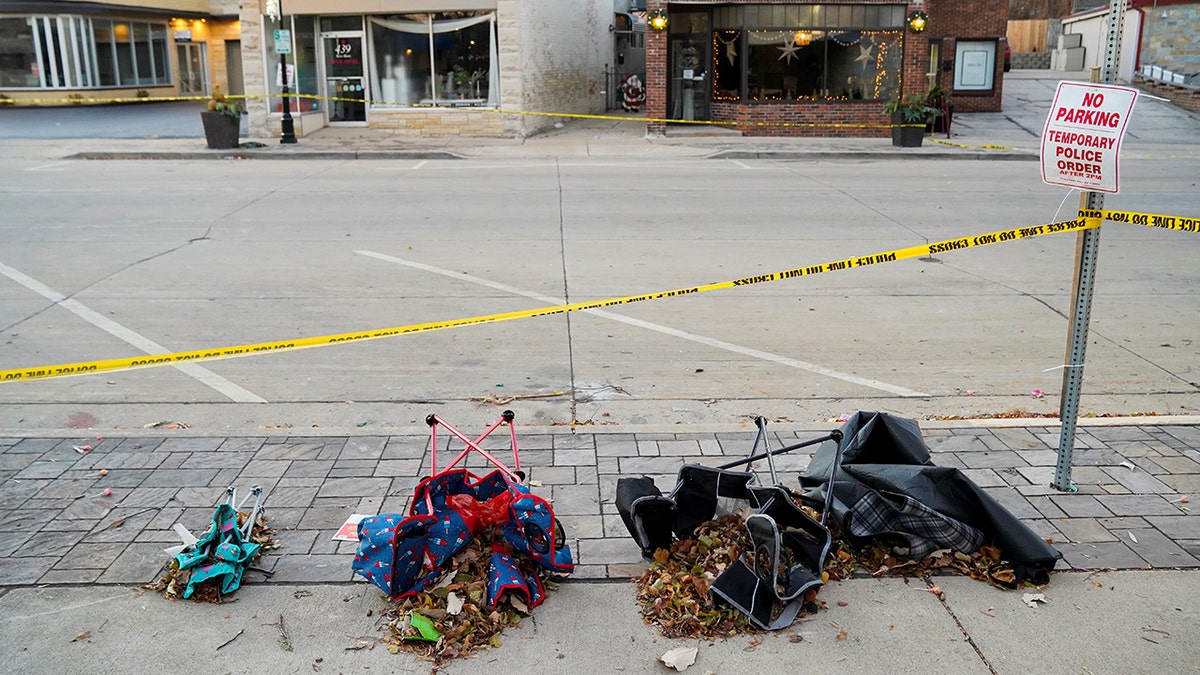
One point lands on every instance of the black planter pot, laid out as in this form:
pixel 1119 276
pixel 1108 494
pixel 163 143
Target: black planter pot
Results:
pixel 897 120
pixel 906 136
pixel 910 137
pixel 220 130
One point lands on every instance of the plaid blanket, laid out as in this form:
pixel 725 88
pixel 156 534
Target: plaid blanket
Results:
pixel 922 529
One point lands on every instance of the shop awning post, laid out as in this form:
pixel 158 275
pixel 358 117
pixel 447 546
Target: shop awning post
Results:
pixel 1087 245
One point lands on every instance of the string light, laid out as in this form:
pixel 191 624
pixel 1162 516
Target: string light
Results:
pixel 886 68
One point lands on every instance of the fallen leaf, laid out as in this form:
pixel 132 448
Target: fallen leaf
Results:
pixel 842 603
pixel 679 658
pixel 454 604
pixel 518 604
pixel 82 636
pixel 842 635
pixel 1133 538
pixel 116 523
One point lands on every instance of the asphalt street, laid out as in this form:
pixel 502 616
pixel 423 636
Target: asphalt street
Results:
pixel 200 255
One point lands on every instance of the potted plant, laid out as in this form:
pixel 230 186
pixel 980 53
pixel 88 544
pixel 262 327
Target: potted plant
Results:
pixel 222 121
pixel 910 114
pixel 461 80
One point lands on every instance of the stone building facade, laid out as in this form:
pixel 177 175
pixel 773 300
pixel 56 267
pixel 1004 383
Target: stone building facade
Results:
pixel 1171 36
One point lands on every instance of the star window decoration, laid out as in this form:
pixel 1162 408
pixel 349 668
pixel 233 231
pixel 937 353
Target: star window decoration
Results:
pixel 789 50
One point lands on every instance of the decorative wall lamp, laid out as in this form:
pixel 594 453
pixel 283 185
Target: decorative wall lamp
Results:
pixel 657 18
pixel 918 21
pixel 803 38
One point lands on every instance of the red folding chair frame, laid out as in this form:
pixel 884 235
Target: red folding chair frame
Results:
pixel 506 417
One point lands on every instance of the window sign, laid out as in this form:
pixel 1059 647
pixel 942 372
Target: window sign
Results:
pixel 291 75
pixel 975 65
pixel 283 41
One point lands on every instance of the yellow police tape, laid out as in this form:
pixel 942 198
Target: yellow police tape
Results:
pixel 498 111
pixel 88 367
pixel 1180 223
pixel 972 147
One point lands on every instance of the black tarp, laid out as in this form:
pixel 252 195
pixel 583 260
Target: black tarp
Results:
pixel 886 454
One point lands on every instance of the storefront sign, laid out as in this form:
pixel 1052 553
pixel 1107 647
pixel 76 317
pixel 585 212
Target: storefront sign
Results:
pixel 1082 138
pixel 183 35
pixel 346 53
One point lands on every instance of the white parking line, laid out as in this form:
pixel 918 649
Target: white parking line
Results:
pixel 221 385
pixel 658 328
pixel 48 167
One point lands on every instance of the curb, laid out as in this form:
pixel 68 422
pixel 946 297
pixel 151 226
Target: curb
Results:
pixel 614 430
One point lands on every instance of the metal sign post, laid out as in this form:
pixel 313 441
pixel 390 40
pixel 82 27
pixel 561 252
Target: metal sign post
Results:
pixel 1086 248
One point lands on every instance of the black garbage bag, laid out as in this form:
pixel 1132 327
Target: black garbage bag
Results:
pixel 888 488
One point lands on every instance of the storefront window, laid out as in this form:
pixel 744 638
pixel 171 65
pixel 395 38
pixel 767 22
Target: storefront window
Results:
pixel 106 52
pixel 72 52
pixel 807 52
pixel 822 65
pixel 302 66
pixel 440 59
pixel 18 62
pixel 727 65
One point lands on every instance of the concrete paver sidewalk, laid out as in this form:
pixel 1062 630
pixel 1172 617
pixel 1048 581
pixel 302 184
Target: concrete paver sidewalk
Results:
pixel 56 525
pixel 72 557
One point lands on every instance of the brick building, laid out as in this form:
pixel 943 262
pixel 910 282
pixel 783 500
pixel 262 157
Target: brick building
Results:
pixel 785 69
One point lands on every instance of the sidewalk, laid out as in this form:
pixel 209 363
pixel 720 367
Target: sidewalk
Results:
pixel 71 556
pixel 1158 129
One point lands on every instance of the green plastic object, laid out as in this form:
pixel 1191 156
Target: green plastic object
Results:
pixel 424 625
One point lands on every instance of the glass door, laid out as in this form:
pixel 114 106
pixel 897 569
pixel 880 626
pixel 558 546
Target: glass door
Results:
pixel 687 90
pixel 345 80
pixel 193 68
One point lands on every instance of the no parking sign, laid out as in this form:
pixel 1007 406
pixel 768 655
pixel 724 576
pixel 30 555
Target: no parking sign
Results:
pixel 1082 138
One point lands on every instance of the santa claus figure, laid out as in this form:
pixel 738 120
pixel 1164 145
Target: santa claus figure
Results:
pixel 633 93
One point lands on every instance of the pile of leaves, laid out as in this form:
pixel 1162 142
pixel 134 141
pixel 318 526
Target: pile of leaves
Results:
pixel 673 591
pixel 877 560
pixel 175 581
pixel 452 618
